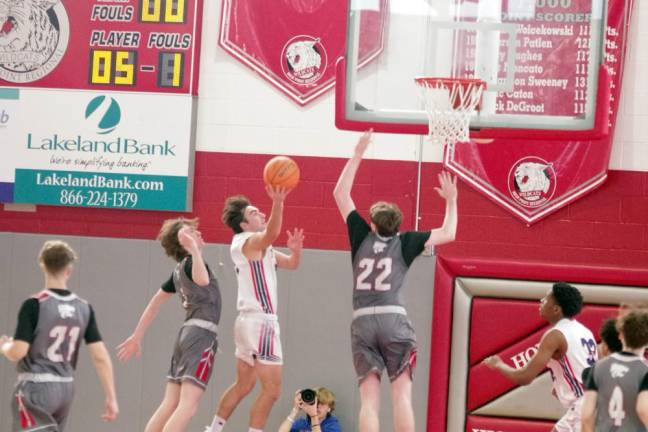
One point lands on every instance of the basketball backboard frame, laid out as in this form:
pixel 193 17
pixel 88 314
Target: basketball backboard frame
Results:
pixel 354 113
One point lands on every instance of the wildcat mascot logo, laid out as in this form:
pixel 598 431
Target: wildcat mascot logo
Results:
pixel 34 35
pixel 304 59
pixel 532 181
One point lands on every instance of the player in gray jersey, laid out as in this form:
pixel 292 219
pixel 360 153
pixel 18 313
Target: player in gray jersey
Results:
pixel 382 336
pixel 46 345
pixel 616 390
pixel 196 343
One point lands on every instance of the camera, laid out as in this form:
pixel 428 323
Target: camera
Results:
pixel 308 396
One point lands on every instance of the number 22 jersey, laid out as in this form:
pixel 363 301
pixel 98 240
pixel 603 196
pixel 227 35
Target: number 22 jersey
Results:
pixel 380 263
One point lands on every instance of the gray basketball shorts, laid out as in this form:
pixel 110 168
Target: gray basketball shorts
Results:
pixel 193 356
pixel 383 341
pixel 41 406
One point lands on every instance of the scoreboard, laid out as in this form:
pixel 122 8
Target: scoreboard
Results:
pixel 103 102
pixel 132 45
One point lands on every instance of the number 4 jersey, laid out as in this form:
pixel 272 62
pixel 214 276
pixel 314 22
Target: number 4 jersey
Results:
pixel 618 380
pixel 53 323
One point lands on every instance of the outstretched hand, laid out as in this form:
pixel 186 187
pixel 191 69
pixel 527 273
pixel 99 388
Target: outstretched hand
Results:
pixel 129 348
pixel 295 239
pixel 277 194
pixel 447 186
pixel 493 361
pixel 363 142
pixel 188 241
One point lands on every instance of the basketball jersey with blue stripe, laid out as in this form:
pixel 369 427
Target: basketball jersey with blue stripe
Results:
pixel 257 279
pixel 581 353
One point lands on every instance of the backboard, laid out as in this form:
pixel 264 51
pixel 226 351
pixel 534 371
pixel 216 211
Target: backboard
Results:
pixel 541 60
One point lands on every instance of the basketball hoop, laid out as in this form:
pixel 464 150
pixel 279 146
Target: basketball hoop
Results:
pixel 449 103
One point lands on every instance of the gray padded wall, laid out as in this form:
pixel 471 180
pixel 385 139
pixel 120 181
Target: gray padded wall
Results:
pixel 7 321
pixel 119 277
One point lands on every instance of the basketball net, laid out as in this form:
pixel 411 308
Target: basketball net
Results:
pixel 449 103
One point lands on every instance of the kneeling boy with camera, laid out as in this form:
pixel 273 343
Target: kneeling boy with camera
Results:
pixel 318 405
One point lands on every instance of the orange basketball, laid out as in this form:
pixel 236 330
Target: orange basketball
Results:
pixel 281 171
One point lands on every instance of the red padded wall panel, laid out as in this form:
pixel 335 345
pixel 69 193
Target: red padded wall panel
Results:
pixel 496 424
pixel 496 323
pixel 484 385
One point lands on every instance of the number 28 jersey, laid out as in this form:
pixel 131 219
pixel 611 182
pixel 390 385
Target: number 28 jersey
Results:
pixel 380 263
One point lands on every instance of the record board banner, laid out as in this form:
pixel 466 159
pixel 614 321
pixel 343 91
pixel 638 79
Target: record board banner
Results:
pixel 533 178
pixel 129 45
pixel 87 149
pixel 294 45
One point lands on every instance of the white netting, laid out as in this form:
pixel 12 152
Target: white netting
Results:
pixel 449 103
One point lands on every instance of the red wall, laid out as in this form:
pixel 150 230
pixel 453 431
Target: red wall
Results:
pixel 606 228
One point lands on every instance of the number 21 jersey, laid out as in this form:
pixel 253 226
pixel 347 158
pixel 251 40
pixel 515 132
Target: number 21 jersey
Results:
pixel 62 323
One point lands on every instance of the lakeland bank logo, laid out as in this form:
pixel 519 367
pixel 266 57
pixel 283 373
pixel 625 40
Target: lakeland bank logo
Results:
pixel 105 111
pixel 104 114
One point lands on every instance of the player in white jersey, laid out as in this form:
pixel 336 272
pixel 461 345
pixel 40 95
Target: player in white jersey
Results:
pixel 566 349
pixel 256 330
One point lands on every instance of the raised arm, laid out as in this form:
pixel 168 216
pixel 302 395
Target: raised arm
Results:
pixel 286 425
pixel 448 191
pixel 14 350
pixel 295 244
pixel 551 342
pixel 193 244
pixel 132 345
pixel 103 365
pixel 342 191
pixel 261 241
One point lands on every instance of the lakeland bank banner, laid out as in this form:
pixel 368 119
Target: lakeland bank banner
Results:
pixel 119 150
pixel 96 102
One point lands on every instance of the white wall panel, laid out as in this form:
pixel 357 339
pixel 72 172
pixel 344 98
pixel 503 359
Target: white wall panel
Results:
pixel 241 112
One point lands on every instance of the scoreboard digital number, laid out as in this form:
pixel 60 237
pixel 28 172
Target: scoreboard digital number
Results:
pixel 151 46
pixel 163 11
pixel 115 67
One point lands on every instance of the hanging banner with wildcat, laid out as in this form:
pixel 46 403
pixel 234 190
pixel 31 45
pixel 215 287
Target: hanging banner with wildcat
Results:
pixel 132 45
pixel 294 44
pixel 534 178
pixel 99 103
